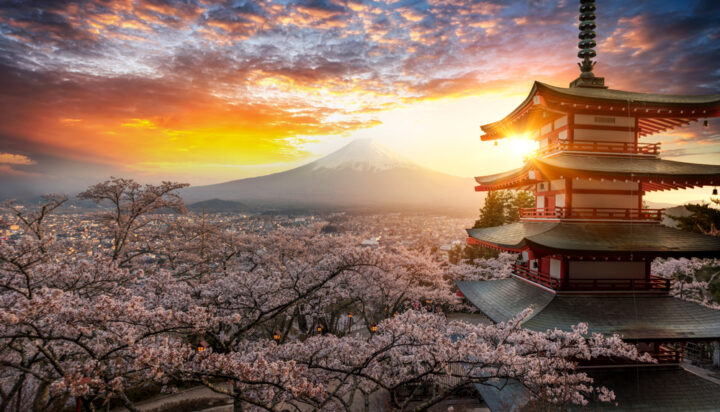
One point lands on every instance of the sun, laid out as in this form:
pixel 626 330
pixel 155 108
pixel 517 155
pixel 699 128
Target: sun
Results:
pixel 522 145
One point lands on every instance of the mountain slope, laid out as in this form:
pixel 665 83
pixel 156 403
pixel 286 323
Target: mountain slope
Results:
pixel 363 173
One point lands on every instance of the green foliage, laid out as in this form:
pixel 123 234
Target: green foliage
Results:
pixel 503 206
pixel 710 274
pixel 705 218
pixel 468 253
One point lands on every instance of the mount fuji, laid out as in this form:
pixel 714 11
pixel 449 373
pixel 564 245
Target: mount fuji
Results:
pixel 364 173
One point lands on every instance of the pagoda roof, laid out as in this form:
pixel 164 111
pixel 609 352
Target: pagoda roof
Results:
pixel 577 238
pixel 675 110
pixel 635 317
pixel 644 169
pixel 621 96
pixel 655 388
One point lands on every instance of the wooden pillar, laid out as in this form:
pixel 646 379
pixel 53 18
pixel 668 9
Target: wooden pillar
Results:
pixel 568 195
pixel 637 131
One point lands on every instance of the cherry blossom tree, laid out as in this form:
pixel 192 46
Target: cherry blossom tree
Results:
pixel 130 204
pixel 261 318
pixel 693 279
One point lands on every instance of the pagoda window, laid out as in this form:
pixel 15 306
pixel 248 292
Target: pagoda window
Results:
pixel 563 135
pixel 542 187
pixel 617 121
pixel 560 122
pixel 560 200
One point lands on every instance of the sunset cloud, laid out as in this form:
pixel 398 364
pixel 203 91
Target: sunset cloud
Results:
pixel 15 159
pixel 145 82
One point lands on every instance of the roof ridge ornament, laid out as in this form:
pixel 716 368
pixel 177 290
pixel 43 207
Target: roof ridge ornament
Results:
pixel 587 47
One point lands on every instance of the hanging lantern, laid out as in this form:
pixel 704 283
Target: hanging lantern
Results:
pixel 201 349
pixel 350 315
pixel 276 336
pixel 706 123
pixel 373 328
pixel 714 192
pixel 319 329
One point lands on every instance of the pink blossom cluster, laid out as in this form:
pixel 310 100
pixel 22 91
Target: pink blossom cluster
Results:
pixel 291 317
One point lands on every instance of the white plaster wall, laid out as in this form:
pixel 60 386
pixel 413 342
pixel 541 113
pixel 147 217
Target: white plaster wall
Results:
pixel 557 184
pixel 560 122
pixel 603 135
pixel 604 185
pixel 606 270
pixel 610 201
pixel 622 121
pixel 546 129
pixel 555 265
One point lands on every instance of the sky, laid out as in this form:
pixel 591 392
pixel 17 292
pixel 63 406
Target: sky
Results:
pixel 202 91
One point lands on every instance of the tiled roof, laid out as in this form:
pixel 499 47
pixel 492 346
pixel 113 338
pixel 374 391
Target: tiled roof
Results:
pixel 634 317
pixel 511 235
pixel 689 106
pixel 647 389
pixel 586 165
pixel 599 237
pixel 634 97
pixel 624 165
pixel 644 317
pixel 503 299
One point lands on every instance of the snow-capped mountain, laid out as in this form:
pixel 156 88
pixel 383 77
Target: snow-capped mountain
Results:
pixel 363 173
pixel 363 155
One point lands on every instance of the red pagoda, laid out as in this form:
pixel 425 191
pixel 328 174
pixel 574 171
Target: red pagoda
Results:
pixel 585 250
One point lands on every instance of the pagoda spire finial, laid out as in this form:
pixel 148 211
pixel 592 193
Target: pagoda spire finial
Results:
pixel 587 47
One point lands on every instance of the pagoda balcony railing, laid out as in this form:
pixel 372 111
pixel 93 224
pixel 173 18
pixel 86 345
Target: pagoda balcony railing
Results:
pixel 536 276
pixel 655 283
pixel 600 147
pixel 605 213
pixel 667 354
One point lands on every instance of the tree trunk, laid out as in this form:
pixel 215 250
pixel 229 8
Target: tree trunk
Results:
pixel 41 397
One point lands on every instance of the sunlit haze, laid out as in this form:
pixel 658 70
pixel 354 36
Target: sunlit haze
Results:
pixel 206 92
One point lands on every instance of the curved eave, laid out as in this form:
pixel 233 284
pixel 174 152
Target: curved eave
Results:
pixel 601 238
pixel 646 106
pixel 612 96
pixel 653 173
pixel 639 317
pixel 493 130
pixel 505 180
pixel 511 237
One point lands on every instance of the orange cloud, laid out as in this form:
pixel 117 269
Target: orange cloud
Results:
pixel 15 159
